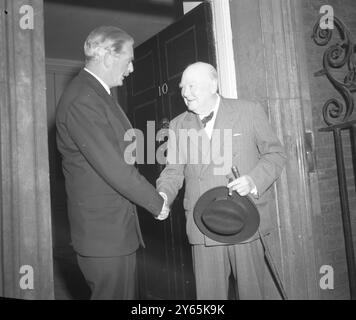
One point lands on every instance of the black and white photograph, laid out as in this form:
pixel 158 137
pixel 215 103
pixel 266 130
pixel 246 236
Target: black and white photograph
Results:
pixel 201 152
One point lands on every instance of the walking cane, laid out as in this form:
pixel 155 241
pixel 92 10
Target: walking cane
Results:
pixel 267 254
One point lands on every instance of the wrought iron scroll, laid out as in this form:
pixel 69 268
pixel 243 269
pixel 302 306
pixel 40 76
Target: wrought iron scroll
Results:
pixel 341 54
pixel 337 115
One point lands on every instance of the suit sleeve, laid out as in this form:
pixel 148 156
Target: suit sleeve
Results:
pixel 172 177
pixel 95 139
pixel 272 156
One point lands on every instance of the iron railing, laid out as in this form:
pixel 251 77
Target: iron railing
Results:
pixel 338 117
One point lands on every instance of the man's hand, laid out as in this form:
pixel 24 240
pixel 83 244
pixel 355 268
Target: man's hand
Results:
pixel 243 185
pixel 165 208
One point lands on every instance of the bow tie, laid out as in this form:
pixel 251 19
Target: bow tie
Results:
pixel 206 119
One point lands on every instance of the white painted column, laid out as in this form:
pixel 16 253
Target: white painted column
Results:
pixel 223 44
pixel 224 48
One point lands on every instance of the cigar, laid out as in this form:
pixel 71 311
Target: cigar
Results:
pixel 235 171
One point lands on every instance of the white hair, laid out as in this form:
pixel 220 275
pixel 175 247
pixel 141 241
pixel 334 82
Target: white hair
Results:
pixel 102 39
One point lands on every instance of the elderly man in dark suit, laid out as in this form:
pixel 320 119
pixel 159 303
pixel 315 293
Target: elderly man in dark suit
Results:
pixel 101 186
pixel 253 148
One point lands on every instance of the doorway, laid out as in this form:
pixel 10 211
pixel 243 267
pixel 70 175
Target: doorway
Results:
pixel 165 266
pixel 196 30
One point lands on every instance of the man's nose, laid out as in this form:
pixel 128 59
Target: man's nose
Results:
pixel 130 68
pixel 185 91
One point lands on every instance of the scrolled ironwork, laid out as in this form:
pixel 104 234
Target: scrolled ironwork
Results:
pixel 338 55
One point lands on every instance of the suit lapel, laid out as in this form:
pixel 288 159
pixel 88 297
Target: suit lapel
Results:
pixel 116 116
pixel 117 110
pixel 223 122
pixel 192 122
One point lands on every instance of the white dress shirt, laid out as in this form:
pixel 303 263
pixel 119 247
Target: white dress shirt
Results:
pixel 107 88
pixel 209 127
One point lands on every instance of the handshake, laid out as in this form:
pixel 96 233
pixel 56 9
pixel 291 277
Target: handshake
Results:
pixel 165 209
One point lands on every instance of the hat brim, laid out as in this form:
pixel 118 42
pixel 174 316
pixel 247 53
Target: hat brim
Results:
pixel 247 210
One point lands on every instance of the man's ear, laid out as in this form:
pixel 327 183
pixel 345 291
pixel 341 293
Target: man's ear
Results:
pixel 107 61
pixel 214 86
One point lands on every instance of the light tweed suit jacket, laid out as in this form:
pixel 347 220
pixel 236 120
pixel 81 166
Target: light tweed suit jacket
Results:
pixel 253 147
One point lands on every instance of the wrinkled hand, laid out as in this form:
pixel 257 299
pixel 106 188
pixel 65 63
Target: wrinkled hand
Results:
pixel 165 208
pixel 243 185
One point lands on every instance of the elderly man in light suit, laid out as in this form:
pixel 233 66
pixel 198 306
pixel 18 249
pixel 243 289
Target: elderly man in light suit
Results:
pixel 258 154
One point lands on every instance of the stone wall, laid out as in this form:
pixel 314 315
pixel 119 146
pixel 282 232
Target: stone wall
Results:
pixel 332 251
pixel 276 59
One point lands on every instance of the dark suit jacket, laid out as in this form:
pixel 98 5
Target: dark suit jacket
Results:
pixel 254 149
pixel 101 187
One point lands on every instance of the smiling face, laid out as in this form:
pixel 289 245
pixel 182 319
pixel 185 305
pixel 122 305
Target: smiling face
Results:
pixel 198 88
pixel 119 65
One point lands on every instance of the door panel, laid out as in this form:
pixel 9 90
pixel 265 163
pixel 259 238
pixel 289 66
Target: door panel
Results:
pixel 176 52
pixel 187 41
pixel 144 105
pixel 175 104
pixel 165 266
pixel 144 81
pixel 153 261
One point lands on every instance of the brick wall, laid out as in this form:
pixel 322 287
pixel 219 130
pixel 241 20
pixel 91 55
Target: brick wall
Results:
pixel 332 249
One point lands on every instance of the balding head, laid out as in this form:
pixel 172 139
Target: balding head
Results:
pixel 203 70
pixel 199 85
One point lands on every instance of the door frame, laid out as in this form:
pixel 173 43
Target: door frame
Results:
pixel 224 48
pixel 224 55
pixel 223 44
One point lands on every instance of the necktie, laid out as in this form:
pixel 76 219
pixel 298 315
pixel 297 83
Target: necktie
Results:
pixel 206 119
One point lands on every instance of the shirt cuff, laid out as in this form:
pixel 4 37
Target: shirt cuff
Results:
pixel 254 191
pixel 165 198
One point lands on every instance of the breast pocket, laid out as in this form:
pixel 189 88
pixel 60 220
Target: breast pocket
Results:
pixel 237 143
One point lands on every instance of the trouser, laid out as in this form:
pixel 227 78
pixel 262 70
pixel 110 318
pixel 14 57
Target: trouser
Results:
pixel 109 278
pixel 213 265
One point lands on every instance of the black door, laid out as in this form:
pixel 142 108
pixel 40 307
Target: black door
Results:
pixel 165 265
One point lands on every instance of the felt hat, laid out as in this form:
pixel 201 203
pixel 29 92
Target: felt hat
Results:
pixel 225 218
